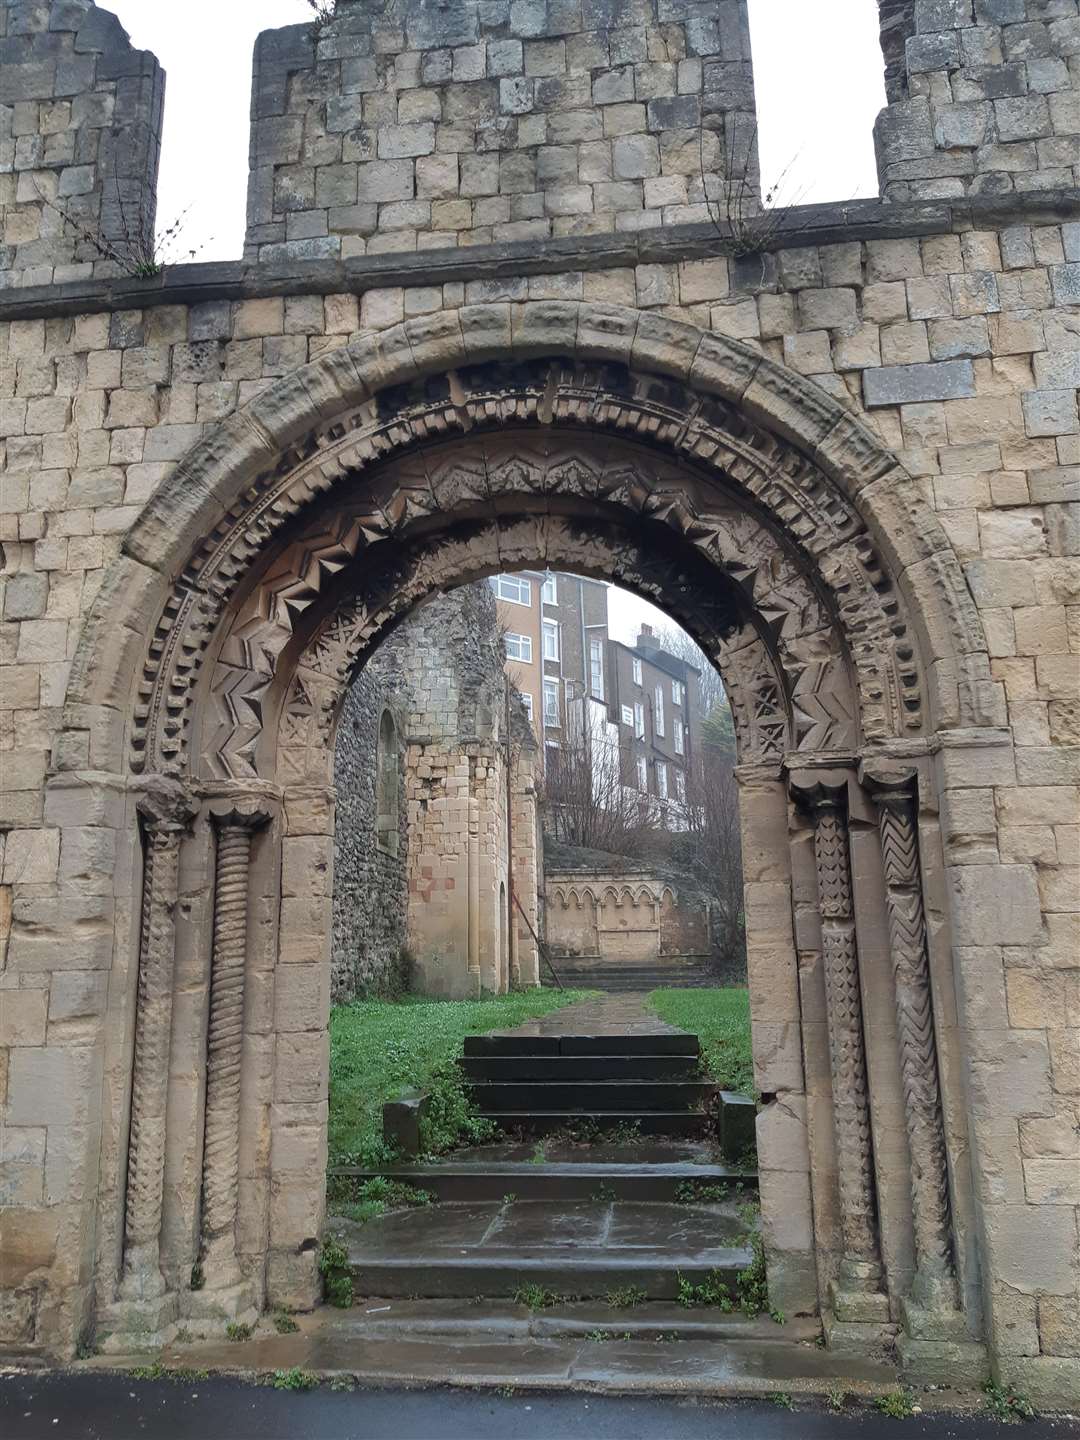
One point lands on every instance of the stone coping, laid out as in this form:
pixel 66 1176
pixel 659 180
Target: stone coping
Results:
pixel 803 225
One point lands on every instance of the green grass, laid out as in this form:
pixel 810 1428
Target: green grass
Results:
pixel 380 1048
pixel 721 1018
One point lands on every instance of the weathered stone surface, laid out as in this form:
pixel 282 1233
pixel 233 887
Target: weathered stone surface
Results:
pixel 915 384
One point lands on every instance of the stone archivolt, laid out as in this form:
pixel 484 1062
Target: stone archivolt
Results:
pixel 609 469
pixel 725 462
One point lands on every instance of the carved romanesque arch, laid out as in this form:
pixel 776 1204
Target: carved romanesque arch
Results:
pixel 747 503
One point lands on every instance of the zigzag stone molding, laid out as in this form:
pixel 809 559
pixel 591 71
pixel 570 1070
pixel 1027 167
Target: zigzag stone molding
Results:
pixel 703 458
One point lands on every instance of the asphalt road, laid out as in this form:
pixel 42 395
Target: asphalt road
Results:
pixel 86 1406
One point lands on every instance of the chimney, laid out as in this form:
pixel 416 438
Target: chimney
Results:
pixel 646 632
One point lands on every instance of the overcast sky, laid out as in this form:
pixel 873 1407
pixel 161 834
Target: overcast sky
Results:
pixel 819 85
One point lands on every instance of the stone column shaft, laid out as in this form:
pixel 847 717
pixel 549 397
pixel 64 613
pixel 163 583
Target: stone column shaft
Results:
pixel 221 1150
pixel 166 812
pixel 861 1271
pixel 895 796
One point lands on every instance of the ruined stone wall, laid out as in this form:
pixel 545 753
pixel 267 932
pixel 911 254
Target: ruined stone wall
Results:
pixel 441 676
pixel 412 126
pixel 626 915
pixel 370 880
pixel 984 97
pixel 949 330
pixel 80 141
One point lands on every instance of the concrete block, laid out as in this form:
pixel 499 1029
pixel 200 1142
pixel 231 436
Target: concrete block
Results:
pixel 908 384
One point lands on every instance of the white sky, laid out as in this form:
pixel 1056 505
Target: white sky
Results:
pixel 817 65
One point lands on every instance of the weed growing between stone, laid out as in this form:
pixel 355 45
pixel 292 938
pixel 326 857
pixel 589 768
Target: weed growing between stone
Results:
pixel 535 1297
pixel 626 1297
pixel 713 1291
pixel 236 1332
pixel 783 1401
pixel 284 1323
pixel 294 1379
pixel 364 1200
pixel 1006 1404
pixel 379 1048
pixel 721 1020
pixel 337 1277
pixel 897 1404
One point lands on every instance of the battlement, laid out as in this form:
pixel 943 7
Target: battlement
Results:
pixel 404 126
pixel 80 142
pixel 419 124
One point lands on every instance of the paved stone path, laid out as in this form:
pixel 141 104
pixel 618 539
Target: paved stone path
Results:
pixel 625 1013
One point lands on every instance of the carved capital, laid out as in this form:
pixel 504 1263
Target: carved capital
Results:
pixel 896 786
pixel 166 806
pixel 819 797
pixel 248 817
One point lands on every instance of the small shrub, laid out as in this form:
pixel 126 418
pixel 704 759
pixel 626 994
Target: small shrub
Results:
pixel 236 1332
pixel 783 1401
pixel 337 1277
pixel 156 1371
pixel 897 1404
pixel 284 1323
pixel 294 1379
pixel 836 1397
pixel 1005 1404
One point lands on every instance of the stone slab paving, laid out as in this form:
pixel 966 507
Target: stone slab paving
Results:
pixel 624 1013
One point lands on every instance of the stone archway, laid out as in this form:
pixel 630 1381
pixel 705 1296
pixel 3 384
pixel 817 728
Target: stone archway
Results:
pixel 766 520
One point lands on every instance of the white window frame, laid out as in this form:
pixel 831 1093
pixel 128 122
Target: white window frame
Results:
pixel 628 715
pixel 661 780
pixel 658 712
pixel 635 668
pixel 680 736
pixel 527 701
pixel 676 692
pixel 680 787
pixel 596 652
pixel 520 643
pixel 551 694
pixel 643 774
pixel 549 590
pixel 517 586
pixel 550 631
pixel 639 720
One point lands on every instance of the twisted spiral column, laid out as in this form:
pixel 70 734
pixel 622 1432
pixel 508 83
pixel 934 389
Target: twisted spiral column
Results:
pixel 166 812
pixel 221 1149
pixel 861 1266
pixel 895 794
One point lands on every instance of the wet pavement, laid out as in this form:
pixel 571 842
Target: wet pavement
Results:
pixel 618 1014
pixel 86 1406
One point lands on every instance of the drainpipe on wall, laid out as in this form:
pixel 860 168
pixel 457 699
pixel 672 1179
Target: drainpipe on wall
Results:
pixel 513 962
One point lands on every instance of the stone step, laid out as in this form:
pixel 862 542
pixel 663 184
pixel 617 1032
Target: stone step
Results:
pixel 524 1042
pixel 691 1124
pixel 508 1320
pixel 638 1096
pixel 573 1068
pixel 566 1182
pixel 495 1250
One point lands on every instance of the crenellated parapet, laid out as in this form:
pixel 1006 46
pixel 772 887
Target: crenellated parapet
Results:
pixel 416 125
pixel 80 141
pixel 983 97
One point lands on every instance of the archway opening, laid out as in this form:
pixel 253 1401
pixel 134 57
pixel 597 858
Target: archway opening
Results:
pixel 831 652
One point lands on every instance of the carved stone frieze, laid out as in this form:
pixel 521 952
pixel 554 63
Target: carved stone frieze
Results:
pixel 698 458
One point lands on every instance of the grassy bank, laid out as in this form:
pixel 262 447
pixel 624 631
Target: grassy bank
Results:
pixel 721 1018
pixel 379 1048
